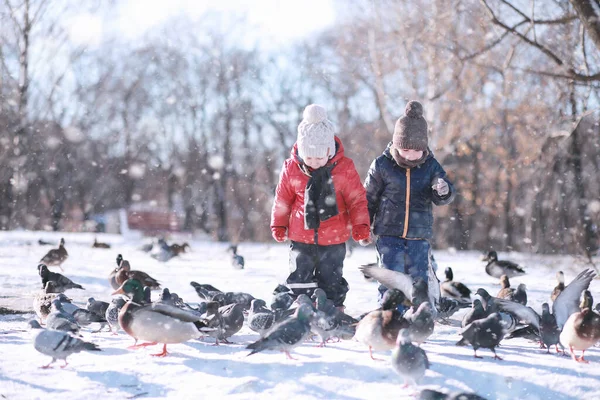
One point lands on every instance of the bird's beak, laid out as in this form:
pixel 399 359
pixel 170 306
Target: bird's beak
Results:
pixel 118 291
pixel 407 303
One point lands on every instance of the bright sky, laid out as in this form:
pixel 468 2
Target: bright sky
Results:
pixel 279 21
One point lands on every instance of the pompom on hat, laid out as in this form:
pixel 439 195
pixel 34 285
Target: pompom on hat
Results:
pixel 315 133
pixel 410 131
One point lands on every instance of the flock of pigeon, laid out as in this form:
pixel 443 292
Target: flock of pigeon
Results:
pixel 288 321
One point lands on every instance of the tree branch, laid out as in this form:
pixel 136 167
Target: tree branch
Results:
pixel 13 16
pixel 487 47
pixel 537 45
pixel 561 20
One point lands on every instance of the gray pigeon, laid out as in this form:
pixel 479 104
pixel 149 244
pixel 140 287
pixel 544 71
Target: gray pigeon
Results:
pixel 447 307
pixel 287 334
pixel 85 318
pixel 112 313
pixel 476 312
pixel 408 360
pixel 260 318
pixel 244 299
pixel 59 320
pixel 419 289
pixel 520 295
pixel 549 331
pixel 165 297
pixel 58 345
pixel 224 321
pixel 61 282
pixel 329 321
pixel 544 326
pixel 237 261
pixel 66 304
pixel 487 301
pixel 428 394
pixel 282 298
pixel 486 333
pixel 390 279
pixel 97 307
pixel 421 323
pixel 301 299
pixel 210 293
pixel 173 299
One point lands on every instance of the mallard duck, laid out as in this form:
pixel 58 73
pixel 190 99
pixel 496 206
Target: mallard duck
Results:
pixel 582 330
pixel 155 323
pixel 61 282
pixel 567 303
pixel 518 295
pixel 455 290
pixel 587 300
pixel 125 272
pixel 497 268
pixel 505 291
pixel 112 277
pixel 56 257
pixel 560 278
pixel 179 248
pixel 42 300
pixel 379 328
pixel 100 245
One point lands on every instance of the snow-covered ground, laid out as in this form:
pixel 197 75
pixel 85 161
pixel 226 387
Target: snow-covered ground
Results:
pixel 197 369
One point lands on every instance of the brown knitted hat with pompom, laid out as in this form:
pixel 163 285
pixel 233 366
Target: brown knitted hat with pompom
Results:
pixel 411 129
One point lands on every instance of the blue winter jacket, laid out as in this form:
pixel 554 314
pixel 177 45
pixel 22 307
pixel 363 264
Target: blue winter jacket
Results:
pixel 400 199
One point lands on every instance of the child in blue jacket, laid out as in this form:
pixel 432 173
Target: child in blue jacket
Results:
pixel 402 184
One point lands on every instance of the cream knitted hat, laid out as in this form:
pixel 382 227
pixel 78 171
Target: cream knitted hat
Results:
pixel 315 133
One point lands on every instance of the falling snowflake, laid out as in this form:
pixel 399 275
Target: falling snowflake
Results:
pixel 216 162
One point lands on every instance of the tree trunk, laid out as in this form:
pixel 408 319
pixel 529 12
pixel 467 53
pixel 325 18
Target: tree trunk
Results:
pixel 589 14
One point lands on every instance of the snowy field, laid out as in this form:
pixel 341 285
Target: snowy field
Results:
pixel 196 369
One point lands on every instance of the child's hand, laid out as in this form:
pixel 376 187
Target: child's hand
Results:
pixel 366 242
pixel 362 233
pixel 279 233
pixel 441 187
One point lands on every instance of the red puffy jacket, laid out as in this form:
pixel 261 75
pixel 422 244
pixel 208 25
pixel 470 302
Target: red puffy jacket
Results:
pixel 288 208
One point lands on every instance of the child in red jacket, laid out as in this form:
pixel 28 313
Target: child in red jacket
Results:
pixel 319 202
